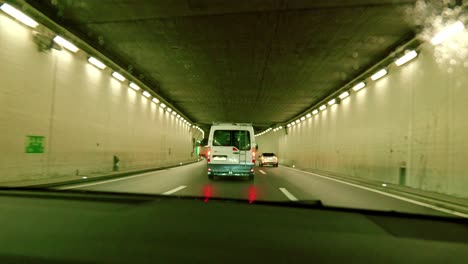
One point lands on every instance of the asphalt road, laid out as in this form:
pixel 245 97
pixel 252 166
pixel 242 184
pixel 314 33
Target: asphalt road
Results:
pixel 271 183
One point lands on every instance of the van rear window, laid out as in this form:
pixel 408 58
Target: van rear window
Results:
pixel 235 138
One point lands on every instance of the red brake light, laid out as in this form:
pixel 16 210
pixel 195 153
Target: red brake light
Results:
pixel 208 155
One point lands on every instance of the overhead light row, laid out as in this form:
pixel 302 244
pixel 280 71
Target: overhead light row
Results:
pixel 269 130
pixel 23 18
pixel 201 131
pixel 446 33
pixel 409 55
pixel 132 85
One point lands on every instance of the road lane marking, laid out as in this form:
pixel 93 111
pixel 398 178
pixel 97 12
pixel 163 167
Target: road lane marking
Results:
pixel 262 171
pixel 288 194
pixel 102 182
pixel 434 207
pixel 175 190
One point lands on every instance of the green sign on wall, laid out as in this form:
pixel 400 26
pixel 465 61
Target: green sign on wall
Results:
pixel 34 144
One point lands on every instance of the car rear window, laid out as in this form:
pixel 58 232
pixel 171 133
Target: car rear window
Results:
pixel 268 154
pixel 235 138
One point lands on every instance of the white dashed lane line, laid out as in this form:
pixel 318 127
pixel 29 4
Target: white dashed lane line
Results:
pixel 262 172
pixel 288 194
pixel 175 190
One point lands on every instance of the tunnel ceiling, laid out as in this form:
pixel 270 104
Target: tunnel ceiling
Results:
pixel 240 61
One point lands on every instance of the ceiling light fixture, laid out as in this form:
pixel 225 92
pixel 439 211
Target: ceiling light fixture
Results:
pixel 20 16
pixel 118 76
pixel 146 94
pixel 135 87
pixel 405 58
pixel 66 44
pixel 379 74
pixel 343 95
pixel 359 86
pixel 96 63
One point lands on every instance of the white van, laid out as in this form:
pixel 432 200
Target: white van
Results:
pixel 231 150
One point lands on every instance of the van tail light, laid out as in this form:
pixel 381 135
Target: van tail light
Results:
pixel 208 154
pixel 253 156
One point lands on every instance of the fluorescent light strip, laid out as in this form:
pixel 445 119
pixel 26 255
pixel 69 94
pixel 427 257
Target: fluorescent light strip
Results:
pixel 315 112
pixel 332 102
pixel 20 16
pixel 146 94
pixel 359 86
pixel 343 95
pixel 174 113
pixel 155 100
pixel 169 109
pixel 308 115
pixel 118 76
pixel 66 44
pixel 405 58
pixel 96 63
pixel 379 74
pixel 162 105
pixel 134 87
pixel 323 107
pixel 447 32
pixel 298 121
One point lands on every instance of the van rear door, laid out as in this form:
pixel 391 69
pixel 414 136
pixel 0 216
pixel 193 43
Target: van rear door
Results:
pixel 231 147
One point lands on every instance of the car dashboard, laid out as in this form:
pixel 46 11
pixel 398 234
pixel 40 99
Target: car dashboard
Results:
pixel 88 227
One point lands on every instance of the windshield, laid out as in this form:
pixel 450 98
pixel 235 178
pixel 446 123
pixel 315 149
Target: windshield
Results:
pixel 356 104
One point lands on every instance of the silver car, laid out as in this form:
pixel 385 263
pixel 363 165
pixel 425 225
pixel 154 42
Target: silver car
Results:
pixel 268 159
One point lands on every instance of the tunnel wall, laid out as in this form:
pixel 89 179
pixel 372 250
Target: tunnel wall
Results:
pixel 83 114
pixel 408 128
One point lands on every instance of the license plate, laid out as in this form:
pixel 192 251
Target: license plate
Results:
pixel 219 158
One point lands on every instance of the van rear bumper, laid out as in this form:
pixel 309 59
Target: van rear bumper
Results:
pixel 231 169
